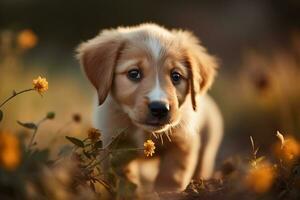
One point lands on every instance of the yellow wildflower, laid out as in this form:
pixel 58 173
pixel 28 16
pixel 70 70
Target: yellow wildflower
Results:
pixel 10 152
pixel 40 84
pixel 149 148
pixel 288 149
pixel 260 178
pixel 27 39
pixel 94 134
pixel 291 148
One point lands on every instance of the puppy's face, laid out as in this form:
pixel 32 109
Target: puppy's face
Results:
pixel 149 71
pixel 150 82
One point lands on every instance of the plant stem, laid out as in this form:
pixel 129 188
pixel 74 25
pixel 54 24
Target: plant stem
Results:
pixel 35 132
pixel 15 94
pixel 100 161
pixel 128 149
pixel 32 138
pixel 111 152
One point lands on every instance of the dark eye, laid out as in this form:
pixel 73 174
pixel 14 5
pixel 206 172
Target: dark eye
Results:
pixel 134 75
pixel 176 78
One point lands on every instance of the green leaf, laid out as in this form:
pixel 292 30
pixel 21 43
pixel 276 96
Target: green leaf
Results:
pixel 98 144
pixel 50 115
pixel 1 115
pixel 75 141
pixel 87 154
pixel 28 125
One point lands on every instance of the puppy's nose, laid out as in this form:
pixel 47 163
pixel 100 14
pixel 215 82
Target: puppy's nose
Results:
pixel 159 109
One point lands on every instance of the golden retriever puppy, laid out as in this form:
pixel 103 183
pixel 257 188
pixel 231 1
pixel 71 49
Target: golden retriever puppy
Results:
pixel 153 81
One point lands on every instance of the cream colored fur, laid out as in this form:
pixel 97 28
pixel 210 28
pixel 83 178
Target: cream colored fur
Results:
pixel 194 110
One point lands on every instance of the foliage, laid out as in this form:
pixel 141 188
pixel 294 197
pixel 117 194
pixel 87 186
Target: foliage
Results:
pixel 77 171
pixel 254 178
pixel 28 172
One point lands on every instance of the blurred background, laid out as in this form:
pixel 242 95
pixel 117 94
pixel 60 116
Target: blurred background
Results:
pixel 257 42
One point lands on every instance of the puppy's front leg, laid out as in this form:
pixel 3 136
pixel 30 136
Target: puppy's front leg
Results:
pixel 214 124
pixel 178 164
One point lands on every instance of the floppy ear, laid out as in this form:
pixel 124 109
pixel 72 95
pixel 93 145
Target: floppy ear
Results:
pixel 207 65
pixel 201 64
pixel 202 73
pixel 98 58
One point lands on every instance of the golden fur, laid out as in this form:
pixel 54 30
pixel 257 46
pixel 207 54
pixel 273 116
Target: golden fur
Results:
pixel 156 52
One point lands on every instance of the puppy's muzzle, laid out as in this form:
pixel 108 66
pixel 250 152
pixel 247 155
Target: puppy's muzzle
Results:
pixel 159 109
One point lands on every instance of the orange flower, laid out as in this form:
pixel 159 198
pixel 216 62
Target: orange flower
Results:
pixel 149 148
pixel 40 84
pixel 10 152
pixel 27 39
pixel 288 149
pixel 94 134
pixel 260 178
pixel 291 149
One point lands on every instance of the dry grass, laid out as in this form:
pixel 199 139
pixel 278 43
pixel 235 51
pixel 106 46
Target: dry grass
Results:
pixel 38 161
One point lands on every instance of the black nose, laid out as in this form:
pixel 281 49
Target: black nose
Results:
pixel 159 109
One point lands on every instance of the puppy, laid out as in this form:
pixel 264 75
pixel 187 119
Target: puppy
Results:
pixel 153 81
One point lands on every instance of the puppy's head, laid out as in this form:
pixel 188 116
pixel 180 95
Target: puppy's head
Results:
pixel 150 71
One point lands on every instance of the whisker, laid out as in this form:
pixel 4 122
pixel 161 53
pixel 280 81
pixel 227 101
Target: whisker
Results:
pixel 169 133
pixel 161 139
pixel 168 136
pixel 154 135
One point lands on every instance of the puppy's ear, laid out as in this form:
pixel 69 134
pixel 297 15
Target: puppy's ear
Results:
pixel 202 65
pixel 98 58
pixel 203 69
pixel 207 68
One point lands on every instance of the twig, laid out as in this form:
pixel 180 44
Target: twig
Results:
pixel 15 94
pixel 35 132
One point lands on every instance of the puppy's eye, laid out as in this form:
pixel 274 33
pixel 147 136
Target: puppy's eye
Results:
pixel 134 75
pixel 176 78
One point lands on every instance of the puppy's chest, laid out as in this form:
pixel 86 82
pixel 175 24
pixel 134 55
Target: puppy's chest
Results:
pixel 163 142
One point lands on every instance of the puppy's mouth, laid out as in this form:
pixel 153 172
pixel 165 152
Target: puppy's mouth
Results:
pixel 155 123
pixel 153 126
